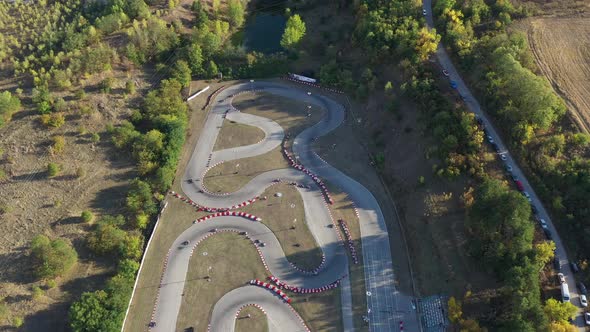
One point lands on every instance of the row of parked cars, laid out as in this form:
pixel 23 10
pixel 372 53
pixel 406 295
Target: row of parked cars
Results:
pixel 542 223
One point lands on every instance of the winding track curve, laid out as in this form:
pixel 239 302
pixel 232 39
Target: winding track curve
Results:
pixel 387 306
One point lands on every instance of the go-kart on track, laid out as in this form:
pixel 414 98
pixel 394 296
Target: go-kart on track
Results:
pixel 386 306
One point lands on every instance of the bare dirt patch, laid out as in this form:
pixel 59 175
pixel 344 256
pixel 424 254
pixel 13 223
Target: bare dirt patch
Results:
pixel 561 47
pixel 234 134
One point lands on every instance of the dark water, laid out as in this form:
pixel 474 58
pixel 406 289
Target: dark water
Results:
pixel 264 28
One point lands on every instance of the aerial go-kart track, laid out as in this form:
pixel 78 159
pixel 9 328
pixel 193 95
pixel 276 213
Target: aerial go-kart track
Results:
pixel 387 309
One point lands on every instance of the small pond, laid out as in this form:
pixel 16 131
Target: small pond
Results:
pixel 264 28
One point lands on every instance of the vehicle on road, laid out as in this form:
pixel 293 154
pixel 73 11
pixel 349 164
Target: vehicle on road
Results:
pixel 189 180
pixel 583 300
pixel 490 139
pixel 453 84
pixel 445 72
pixel 560 278
pixel 503 157
pixel 185 243
pixel 519 185
pixel 582 288
pixel 509 168
pixel 574 267
pixel 424 12
pixel 587 318
pixel 514 177
pixel 543 223
pixel 565 292
pixel 527 195
pixel 535 210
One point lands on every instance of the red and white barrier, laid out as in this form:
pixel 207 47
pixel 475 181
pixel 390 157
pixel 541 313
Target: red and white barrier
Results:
pixel 272 288
pixel 315 85
pixel 301 290
pixel 228 214
pixel 349 241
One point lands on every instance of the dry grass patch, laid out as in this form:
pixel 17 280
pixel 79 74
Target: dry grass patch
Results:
pixel 321 311
pixel 257 322
pixel 561 47
pixel 281 214
pixel 233 175
pixel 233 261
pixel 234 134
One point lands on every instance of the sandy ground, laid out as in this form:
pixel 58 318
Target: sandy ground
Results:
pixel 561 47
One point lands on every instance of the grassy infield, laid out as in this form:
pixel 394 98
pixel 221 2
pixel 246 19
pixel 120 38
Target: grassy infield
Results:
pixel 238 258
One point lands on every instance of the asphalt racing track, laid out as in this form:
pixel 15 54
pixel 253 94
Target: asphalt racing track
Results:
pixel 386 306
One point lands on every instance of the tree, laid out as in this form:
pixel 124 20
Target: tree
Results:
pixel 455 310
pixel 107 237
pixel 558 311
pixel 426 43
pixel 212 70
pixel 52 258
pixel 562 327
pixel 195 58
pixel 9 105
pixel 90 312
pixel 182 73
pixel 236 13
pixel 544 253
pixel 140 198
pixel 294 31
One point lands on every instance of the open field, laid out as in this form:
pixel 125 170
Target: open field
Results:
pixel 234 134
pixel 561 47
pixel 257 322
pixel 285 217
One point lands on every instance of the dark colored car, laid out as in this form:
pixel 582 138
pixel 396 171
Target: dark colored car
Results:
pixel 556 264
pixel 519 185
pixel 582 288
pixel 548 234
pixel 574 267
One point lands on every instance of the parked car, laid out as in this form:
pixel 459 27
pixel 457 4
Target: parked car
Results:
pixel 503 157
pixel 556 264
pixel 583 300
pixel 185 243
pixel 424 12
pixel 514 177
pixel 534 209
pixel 574 267
pixel 453 84
pixel 560 278
pixel 490 139
pixel 496 147
pixel 587 318
pixel 519 185
pixel 509 168
pixel 446 73
pixel 543 223
pixel 582 288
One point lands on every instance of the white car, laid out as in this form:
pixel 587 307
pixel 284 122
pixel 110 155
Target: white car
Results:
pixel 490 139
pixel 424 12
pixel 583 300
pixel 503 157
pixel 509 168
pixel 561 278
pixel 527 195
pixel 543 223
pixel 587 318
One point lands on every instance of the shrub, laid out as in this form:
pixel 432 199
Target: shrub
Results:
pixel 87 216
pixel 54 120
pixel 4 312
pixel 59 143
pixel 17 322
pixel 52 258
pixel 95 137
pixel 3 175
pixel 53 169
pixel 9 105
pixel 51 284
pixel 108 238
pixel 80 172
pixel 130 87
pixel 37 292
pixel 107 85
